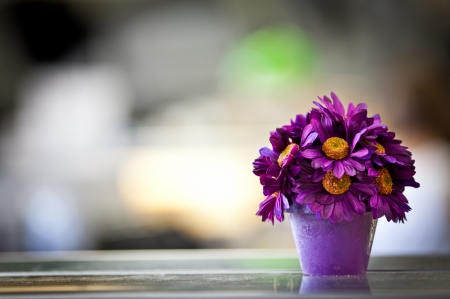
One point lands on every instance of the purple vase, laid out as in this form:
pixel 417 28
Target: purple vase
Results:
pixel 327 248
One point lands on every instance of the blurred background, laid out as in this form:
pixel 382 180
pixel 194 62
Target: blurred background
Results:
pixel 134 124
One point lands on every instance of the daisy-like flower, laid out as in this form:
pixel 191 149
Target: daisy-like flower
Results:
pixel 330 197
pixel 389 201
pixel 387 151
pixel 277 170
pixel 275 203
pixel 339 151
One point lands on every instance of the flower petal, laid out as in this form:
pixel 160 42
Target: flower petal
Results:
pixel 361 153
pixel 338 169
pixel 338 213
pixel 310 139
pixel 326 211
pixel 316 207
pixel 348 168
pixel 265 151
pixel 318 175
pixel 312 153
pixel 321 162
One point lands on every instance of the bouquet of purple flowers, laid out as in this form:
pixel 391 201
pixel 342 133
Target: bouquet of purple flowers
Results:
pixel 338 164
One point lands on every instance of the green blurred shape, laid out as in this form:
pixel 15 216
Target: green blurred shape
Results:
pixel 272 58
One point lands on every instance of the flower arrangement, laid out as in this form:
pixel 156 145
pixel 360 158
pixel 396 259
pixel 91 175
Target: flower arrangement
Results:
pixel 339 164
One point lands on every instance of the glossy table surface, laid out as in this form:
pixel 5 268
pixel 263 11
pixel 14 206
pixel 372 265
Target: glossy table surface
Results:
pixel 211 274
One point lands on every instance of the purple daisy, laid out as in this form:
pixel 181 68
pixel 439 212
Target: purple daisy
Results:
pixel 277 170
pixel 389 201
pixel 330 197
pixel 387 150
pixel 275 203
pixel 339 151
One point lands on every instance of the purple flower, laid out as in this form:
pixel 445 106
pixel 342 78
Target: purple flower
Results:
pixel 330 197
pixel 277 168
pixel 389 201
pixel 387 151
pixel 275 203
pixel 339 151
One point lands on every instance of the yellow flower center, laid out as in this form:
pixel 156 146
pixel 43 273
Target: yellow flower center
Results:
pixel 384 181
pixel 285 153
pixel 380 149
pixel 334 185
pixel 335 148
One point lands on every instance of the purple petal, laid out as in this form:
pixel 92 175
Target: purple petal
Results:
pixel 269 181
pixel 366 188
pixel 321 162
pixel 356 139
pixel 348 213
pixel 338 169
pixel 373 173
pixel 356 164
pixel 306 130
pixel 312 153
pixel 301 196
pixel 310 198
pixel 318 175
pixel 273 171
pixel 267 190
pixel 350 109
pixel 390 159
pixel 265 151
pixel 315 207
pixel 310 139
pixel 375 201
pixel 278 210
pixel 358 207
pixel 376 159
pixel 317 125
pixel 325 198
pixel 338 213
pixel 348 168
pixel 337 104
pixel 294 170
pixel 361 153
pixel 326 211
pixel 361 106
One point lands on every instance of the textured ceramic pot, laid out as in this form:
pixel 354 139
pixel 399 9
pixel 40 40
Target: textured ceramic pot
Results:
pixel 327 248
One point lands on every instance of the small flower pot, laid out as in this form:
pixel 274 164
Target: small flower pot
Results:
pixel 327 248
